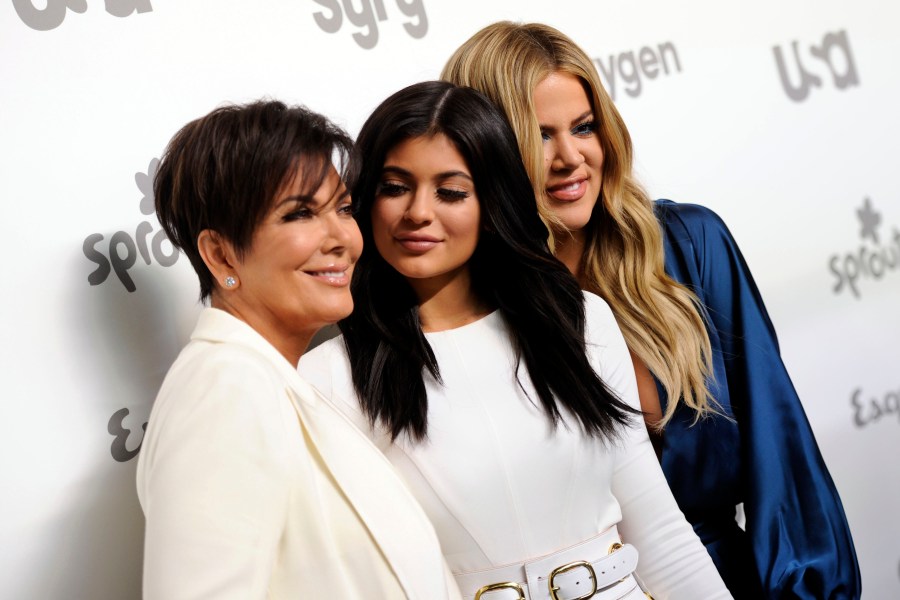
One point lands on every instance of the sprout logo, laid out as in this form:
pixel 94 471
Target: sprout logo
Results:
pixel 870 261
pixel 124 249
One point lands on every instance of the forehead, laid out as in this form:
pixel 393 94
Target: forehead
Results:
pixel 560 94
pixel 426 153
pixel 310 177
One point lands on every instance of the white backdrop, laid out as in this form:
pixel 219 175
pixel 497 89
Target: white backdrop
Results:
pixel 799 154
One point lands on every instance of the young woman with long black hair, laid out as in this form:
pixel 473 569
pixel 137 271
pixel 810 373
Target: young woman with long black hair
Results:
pixel 503 394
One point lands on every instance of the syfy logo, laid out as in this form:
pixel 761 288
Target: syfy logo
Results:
pixel 876 407
pixel 54 13
pixel 367 17
pixel 629 67
pixel 870 261
pixel 122 241
pixel 834 52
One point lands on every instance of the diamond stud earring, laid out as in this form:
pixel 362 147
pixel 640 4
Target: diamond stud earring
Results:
pixel 230 281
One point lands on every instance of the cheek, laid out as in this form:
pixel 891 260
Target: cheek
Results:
pixel 380 235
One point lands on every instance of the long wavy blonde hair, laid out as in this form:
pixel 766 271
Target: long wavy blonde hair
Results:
pixel 623 260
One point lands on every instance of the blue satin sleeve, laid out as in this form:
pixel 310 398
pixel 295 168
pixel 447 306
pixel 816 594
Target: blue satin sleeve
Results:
pixel 761 450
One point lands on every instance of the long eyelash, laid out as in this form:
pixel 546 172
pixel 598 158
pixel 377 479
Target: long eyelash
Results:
pixel 447 194
pixel 589 125
pixel 300 213
pixel 390 189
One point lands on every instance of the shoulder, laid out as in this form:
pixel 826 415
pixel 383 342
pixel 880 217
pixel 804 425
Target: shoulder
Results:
pixel 598 315
pixel 223 365
pixel 692 219
pixel 220 385
pixel 219 399
pixel 601 330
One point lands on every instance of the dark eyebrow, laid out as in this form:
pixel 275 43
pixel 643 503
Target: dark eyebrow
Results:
pixel 308 200
pixel 392 170
pixel 301 199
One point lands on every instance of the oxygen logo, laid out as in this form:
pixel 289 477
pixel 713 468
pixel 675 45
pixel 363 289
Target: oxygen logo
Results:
pixel 123 249
pixel 834 52
pixel 116 428
pixel 872 408
pixel 367 17
pixel 871 261
pixel 629 67
pixel 55 11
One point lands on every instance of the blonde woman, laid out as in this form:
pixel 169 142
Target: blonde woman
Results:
pixel 729 425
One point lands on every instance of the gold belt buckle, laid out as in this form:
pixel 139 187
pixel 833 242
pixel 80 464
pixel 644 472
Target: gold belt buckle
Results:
pixel 507 585
pixel 580 564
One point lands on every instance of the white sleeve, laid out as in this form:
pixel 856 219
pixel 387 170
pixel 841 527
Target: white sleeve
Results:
pixel 214 481
pixel 673 563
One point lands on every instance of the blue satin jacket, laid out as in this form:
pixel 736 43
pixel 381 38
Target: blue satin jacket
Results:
pixel 797 542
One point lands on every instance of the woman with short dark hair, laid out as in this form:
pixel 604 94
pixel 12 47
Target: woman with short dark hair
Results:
pixel 253 485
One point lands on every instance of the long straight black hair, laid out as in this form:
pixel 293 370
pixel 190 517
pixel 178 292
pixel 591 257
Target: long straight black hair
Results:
pixel 512 269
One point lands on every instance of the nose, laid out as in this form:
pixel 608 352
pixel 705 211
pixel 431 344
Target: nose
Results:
pixel 421 207
pixel 339 234
pixel 565 154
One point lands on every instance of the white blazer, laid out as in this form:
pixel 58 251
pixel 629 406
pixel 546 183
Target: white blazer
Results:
pixel 254 486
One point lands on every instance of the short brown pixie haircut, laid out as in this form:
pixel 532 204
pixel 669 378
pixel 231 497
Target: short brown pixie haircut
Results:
pixel 222 172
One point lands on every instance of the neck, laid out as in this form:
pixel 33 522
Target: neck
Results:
pixel 291 345
pixel 570 247
pixel 449 303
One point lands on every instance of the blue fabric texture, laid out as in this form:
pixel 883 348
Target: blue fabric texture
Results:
pixel 762 451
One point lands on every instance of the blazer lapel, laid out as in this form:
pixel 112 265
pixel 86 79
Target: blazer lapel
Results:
pixel 377 494
pixel 364 475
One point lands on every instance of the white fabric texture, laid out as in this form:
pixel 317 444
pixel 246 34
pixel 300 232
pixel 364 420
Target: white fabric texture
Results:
pixel 502 485
pixel 254 486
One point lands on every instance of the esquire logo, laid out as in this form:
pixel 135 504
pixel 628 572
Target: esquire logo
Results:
pixel 123 249
pixel 870 408
pixel 366 18
pixel 121 434
pixel 54 12
pixel 833 52
pixel 874 258
pixel 630 68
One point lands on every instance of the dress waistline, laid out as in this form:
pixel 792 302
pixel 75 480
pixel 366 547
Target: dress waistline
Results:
pixel 602 564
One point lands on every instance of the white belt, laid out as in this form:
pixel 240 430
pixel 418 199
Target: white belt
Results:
pixel 599 568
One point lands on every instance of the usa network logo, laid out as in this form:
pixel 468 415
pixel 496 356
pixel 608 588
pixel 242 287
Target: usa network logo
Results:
pixel 877 256
pixel 121 252
pixel 833 54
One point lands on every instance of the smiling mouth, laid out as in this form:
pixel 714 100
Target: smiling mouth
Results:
pixel 336 277
pixel 568 192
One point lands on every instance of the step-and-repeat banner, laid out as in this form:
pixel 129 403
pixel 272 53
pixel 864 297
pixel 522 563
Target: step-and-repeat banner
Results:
pixel 781 116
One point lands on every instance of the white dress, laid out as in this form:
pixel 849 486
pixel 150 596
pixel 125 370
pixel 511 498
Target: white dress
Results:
pixel 502 485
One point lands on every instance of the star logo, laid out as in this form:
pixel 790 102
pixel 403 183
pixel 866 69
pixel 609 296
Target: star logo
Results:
pixel 144 183
pixel 869 220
